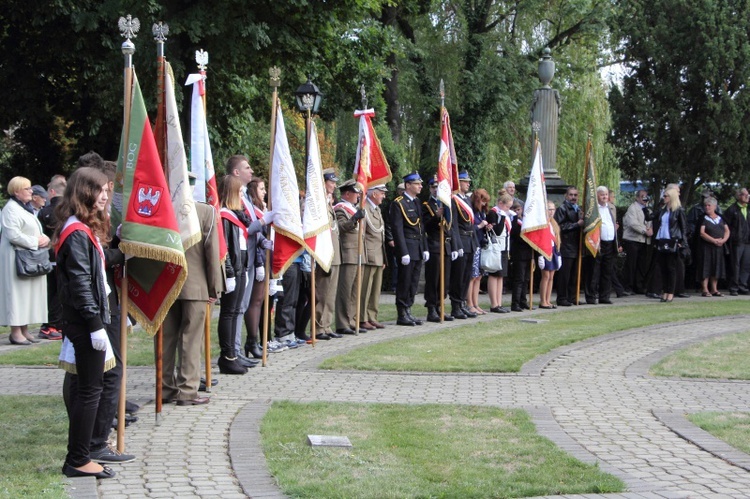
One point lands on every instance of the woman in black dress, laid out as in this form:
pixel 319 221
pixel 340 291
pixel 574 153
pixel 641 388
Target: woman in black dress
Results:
pixel 714 234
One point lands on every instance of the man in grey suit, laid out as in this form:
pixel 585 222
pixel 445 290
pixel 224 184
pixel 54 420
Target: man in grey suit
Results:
pixel 184 325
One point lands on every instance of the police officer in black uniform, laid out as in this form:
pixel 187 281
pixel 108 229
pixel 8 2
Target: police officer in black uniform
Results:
pixel 410 246
pixel 435 214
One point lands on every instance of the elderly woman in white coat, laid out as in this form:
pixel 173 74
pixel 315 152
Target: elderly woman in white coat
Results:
pixel 22 299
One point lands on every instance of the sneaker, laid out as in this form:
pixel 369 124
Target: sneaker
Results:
pixel 49 333
pixel 274 346
pixel 110 456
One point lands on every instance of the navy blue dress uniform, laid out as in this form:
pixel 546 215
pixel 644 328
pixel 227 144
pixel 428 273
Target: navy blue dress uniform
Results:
pixel 408 235
pixel 451 245
pixel 461 267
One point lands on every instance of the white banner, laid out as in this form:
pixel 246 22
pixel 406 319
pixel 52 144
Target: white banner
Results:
pixel 315 223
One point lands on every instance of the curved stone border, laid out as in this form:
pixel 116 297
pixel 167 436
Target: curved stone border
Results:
pixel 679 424
pixel 246 454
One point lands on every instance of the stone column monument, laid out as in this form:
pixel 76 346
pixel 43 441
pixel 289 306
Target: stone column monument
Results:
pixel 545 115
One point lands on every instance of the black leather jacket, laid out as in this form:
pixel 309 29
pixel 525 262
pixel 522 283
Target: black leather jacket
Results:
pixel 237 259
pixel 677 226
pixel 80 283
pixel 567 218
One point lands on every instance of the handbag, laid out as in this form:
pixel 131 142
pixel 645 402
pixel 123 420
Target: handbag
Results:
pixel 32 263
pixel 491 256
pixel 666 245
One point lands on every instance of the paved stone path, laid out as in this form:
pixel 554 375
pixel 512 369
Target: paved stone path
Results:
pixel 593 398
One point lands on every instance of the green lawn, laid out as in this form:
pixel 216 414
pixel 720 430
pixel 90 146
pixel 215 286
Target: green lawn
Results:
pixel 33 438
pixel 727 357
pixel 732 427
pixel 420 451
pixel 506 344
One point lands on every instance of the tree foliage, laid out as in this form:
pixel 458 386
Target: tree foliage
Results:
pixel 682 114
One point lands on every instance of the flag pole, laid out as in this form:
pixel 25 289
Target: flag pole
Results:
pixel 580 240
pixel 308 140
pixel 201 58
pixel 128 29
pixel 360 231
pixel 275 80
pixel 160 32
pixel 442 218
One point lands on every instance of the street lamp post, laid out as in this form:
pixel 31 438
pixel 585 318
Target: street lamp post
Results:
pixel 308 101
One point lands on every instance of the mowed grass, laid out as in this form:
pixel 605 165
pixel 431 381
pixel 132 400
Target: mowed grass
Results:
pixel 504 345
pixel 727 357
pixel 33 438
pixel 731 427
pixel 420 451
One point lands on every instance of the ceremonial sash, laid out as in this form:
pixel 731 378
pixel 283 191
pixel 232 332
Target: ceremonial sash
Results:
pixel 464 206
pixel 346 207
pixel 72 226
pixel 227 214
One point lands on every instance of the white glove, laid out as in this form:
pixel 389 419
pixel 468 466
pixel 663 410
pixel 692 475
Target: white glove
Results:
pixel 99 340
pixel 541 262
pixel 425 255
pixel 266 244
pixel 273 287
pixel 118 232
pixel 454 255
pixel 260 274
pixel 461 252
pixel 268 217
pixel 559 260
pixel 231 284
pixel 405 260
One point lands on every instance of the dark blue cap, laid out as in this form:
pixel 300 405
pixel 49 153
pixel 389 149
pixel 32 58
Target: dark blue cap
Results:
pixel 464 175
pixel 412 177
pixel 433 180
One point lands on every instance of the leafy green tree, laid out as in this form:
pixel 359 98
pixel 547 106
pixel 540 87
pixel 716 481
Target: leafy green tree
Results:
pixel 683 112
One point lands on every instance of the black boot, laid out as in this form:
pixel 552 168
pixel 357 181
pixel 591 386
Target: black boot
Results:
pixel 254 350
pixel 403 319
pixel 416 321
pixel 230 366
pixel 432 315
pixel 456 311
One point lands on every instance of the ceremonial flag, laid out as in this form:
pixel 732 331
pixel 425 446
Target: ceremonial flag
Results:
pixel 535 227
pixel 176 166
pixel 447 173
pixel 370 167
pixel 201 159
pixel 315 224
pixel 592 226
pixel 284 193
pixel 148 228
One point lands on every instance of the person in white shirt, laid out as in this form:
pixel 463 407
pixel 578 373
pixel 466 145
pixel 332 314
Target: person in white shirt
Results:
pixel 598 284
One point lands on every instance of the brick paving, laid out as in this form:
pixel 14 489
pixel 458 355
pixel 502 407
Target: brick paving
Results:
pixel 594 399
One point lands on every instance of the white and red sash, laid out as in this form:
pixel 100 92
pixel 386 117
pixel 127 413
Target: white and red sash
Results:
pixel 347 207
pixel 464 206
pixel 227 214
pixel 72 225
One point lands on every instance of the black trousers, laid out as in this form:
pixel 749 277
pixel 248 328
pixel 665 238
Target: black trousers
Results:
pixel 432 296
pixel 81 393
pixel 668 263
pixel 460 277
pixel 520 270
pixel 599 272
pixel 286 307
pixel 304 308
pixel 54 308
pixel 636 266
pixel 229 317
pixel 408 281
pixel 566 279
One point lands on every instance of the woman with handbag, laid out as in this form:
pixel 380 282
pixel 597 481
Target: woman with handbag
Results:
pixel 82 231
pixel 20 304
pixel 549 267
pixel 670 238
pixel 500 219
pixel 479 200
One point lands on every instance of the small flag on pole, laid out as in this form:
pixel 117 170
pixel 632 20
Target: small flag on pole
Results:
pixel 447 173
pixel 592 227
pixel 370 167
pixel 535 227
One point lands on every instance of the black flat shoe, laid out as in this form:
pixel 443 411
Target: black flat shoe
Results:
pixel 71 472
pixel 16 342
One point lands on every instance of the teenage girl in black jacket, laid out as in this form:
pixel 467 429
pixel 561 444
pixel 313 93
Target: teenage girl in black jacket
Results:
pixel 82 231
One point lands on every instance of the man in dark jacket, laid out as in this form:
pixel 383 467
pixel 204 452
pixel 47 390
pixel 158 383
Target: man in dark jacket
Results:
pixel 52 329
pixel 569 217
pixel 739 237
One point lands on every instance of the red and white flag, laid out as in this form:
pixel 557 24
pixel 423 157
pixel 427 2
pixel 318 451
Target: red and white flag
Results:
pixel 535 228
pixel 370 167
pixel 201 159
pixel 289 239
pixel 315 223
pixel 447 173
